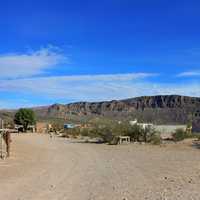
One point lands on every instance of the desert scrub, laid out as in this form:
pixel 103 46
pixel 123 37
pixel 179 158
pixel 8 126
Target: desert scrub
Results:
pixel 156 139
pixel 198 137
pixel 102 131
pixel 135 132
pixel 179 135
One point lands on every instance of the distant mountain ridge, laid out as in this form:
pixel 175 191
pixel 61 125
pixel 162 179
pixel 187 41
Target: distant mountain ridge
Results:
pixel 161 109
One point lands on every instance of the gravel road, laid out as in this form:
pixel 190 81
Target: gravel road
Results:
pixel 41 168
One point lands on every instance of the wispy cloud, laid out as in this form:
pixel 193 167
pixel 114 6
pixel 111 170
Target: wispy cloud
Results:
pixel 19 75
pixel 83 87
pixel 96 87
pixel 16 65
pixel 189 74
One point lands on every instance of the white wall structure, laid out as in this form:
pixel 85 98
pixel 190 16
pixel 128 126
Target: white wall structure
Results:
pixel 169 128
pixel 143 125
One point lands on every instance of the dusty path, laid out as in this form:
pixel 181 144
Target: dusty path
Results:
pixel 41 168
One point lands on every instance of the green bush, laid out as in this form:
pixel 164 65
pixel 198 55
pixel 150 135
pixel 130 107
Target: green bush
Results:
pixel 73 132
pixel 198 137
pixel 102 131
pixel 85 132
pixel 179 135
pixel 155 140
pixel 135 132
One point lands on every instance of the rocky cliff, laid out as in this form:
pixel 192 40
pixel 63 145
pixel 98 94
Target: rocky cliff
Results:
pixel 163 109
pixel 158 109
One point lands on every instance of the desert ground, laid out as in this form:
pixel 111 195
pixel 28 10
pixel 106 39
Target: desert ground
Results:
pixel 41 168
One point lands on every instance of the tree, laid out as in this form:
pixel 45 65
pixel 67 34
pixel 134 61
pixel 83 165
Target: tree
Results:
pixel 25 117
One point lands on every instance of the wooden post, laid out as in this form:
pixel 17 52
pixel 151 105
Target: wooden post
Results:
pixel 7 139
pixel 8 143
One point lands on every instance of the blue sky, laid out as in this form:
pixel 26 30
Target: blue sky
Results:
pixel 66 51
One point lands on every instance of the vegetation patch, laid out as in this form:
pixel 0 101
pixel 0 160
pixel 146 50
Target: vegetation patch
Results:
pixel 179 135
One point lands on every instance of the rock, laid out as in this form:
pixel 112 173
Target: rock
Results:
pixel 161 109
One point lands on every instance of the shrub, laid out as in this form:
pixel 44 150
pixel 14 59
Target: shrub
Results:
pixel 179 135
pixel 135 132
pixel 103 131
pixel 73 132
pixel 107 130
pixel 56 127
pixel 155 140
pixel 151 133
pixel 140 134
pixel 198 137
pixel 85 132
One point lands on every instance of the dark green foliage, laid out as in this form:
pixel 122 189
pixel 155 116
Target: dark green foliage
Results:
pixel 25 117
pixel 179 135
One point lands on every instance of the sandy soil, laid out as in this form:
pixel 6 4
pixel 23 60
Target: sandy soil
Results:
pixel 41 168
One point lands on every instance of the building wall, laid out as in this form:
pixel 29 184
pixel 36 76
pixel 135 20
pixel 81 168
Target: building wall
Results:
pixel 168 128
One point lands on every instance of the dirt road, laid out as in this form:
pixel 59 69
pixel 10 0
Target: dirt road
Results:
pixel 41 168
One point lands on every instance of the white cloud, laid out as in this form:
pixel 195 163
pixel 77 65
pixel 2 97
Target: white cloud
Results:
pixel 189 74
pixel 87 87
pixel 31 63
pixel 95 87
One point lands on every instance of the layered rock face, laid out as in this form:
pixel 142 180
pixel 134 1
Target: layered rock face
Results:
pixel 171 109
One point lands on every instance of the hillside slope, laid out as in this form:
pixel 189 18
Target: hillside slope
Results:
pixel 159 109
pixel 162 109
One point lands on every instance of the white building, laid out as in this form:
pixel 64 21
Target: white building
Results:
pixel 143 125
